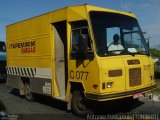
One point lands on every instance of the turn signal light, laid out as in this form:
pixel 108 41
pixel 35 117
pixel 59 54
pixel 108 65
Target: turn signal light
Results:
pixel 95 86
pixel 151 77
pixel 103 86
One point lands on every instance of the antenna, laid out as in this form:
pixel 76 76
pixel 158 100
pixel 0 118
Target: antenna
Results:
pixel 121 5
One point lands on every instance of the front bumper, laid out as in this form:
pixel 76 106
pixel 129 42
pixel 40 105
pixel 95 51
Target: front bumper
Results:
pixel 103 97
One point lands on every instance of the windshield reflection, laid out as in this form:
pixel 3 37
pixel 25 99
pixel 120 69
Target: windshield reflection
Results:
pixel 117 34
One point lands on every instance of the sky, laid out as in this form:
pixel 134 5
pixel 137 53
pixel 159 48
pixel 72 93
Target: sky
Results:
pixel 147 12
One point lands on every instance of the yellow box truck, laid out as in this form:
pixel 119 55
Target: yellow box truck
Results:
pixel 79 53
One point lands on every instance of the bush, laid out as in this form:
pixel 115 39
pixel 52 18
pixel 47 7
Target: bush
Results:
pixel 157 74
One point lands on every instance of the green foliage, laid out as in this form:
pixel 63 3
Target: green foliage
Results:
pixel 155 52
pixel 157 74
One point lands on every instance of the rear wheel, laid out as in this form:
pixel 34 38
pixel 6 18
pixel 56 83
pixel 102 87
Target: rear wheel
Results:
pixel 79 104
pixel 28 94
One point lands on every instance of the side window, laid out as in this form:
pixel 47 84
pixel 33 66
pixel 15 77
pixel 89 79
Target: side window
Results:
pixel 75 40
pixel 80 39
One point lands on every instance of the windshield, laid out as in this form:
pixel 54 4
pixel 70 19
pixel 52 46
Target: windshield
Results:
pixel 117 34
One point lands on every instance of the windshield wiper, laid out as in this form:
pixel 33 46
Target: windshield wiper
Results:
pixel 125 51
pixel 138 53
pixel 143 53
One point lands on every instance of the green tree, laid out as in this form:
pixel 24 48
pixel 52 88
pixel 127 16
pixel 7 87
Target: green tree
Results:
pixel 155 52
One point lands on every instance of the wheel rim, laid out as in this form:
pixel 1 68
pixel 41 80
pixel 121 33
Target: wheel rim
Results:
pixel 28 91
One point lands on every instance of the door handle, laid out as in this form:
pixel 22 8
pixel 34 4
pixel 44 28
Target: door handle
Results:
pixel 60 61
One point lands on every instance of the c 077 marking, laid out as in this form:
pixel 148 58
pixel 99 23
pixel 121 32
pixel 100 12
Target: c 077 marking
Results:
pixel 79 75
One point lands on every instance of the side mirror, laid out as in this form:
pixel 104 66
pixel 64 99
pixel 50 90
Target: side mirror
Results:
pixel 147 39
pixel 147 42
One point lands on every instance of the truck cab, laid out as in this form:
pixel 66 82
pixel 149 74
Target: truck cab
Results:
pixel 113 59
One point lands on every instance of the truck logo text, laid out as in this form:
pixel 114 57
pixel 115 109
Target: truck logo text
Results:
pixel 26 47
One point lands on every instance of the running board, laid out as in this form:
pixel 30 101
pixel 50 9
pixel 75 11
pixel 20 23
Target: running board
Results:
pixel 61 98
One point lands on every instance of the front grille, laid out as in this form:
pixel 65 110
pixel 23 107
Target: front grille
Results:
pixel 134 77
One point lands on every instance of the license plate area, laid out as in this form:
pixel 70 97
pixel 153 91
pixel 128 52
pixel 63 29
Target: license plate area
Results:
pixel 138 95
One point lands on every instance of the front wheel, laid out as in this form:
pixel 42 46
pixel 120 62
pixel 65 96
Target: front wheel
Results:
pixel 28 94
pixel 79 104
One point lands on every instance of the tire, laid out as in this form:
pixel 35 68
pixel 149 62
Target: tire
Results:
pixel 133 100
pixel 28 94
pixel 130 102
pixel 79 104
